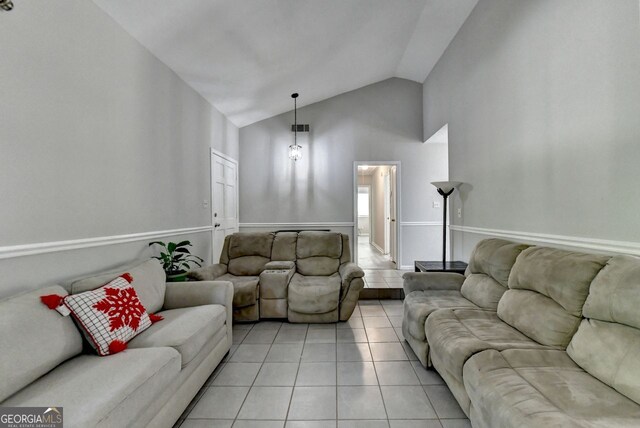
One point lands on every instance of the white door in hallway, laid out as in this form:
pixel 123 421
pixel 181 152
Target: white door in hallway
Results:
pixel 224 199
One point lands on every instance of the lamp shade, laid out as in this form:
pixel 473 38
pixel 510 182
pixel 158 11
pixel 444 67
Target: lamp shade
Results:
pixel 446 186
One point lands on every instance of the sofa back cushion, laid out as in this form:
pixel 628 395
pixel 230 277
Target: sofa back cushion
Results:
pixel 346 249
pixel 318 253
pixel 607 343
pixel 249 252
pixel 547 289
pixel 34 339
pixel 488 271
pixel 284 246
pixel 149 281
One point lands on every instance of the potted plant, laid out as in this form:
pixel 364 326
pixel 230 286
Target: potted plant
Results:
pixel 176 259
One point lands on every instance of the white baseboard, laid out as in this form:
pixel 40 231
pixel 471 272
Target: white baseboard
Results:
pixel 377 247
pixel 598 245
pixel 75 244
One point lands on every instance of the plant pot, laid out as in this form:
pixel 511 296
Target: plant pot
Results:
pixel 177 276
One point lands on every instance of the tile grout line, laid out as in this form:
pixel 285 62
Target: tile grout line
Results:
pixel 257 374
pixel 293 389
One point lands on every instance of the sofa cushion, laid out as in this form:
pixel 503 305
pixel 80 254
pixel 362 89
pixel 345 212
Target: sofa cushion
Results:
pixel 418 305
pixel 547 289
pixel 284 246
pixel 488 271
pixel 245 289
pixel 495 258
pixel 611 353
pixel 614 295
pixel 186 330
pixel 314 294
pixel 250 244
pixel 482 290
pixel 455 335
pixel 312 243
pixel 149 281
pixel 318 266
pixel 318 253
pixel 247 265
pixel 607 344
pixel 248 253
pixel 103 391
pixel 538 388
pixel 34 339
pixel 539 317
pixel 346 249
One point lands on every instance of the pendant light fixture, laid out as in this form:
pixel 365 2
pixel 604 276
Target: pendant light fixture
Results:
pixel 295 151
pixel 6 5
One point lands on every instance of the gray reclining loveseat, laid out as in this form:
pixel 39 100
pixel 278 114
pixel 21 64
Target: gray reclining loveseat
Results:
pixel 303 277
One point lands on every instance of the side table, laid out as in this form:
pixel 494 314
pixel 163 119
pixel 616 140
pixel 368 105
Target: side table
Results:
pixel 432 266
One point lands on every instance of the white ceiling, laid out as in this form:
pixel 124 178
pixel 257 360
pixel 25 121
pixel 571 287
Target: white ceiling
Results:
pixel 246 57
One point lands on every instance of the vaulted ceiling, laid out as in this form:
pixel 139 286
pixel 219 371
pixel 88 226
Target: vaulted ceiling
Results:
pixel 247 56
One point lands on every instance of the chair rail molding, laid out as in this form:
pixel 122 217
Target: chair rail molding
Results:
pixel 420 223
pixel 296 225
pixel 603 245
pixel 12 251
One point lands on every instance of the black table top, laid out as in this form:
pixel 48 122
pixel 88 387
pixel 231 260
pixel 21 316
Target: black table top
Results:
pixel 434 266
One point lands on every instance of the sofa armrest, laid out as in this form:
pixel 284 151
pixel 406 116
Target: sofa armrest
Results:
pixel 208 273
pixel 349 271
pixel 278 265
pixel 188 294
pixel 422 281
pixel 196 293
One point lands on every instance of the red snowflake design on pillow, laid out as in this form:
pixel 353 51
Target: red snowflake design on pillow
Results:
pixel 122 306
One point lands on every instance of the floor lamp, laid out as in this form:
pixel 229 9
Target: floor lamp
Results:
pixel 445 188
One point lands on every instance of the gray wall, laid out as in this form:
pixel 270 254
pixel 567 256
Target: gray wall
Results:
pixel 380 122
pixel 98 138
pixel 542 99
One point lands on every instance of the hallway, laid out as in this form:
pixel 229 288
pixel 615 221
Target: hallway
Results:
pixel 370 258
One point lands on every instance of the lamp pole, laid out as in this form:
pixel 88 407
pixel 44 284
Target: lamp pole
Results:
pixel 445 196
pixel 445 188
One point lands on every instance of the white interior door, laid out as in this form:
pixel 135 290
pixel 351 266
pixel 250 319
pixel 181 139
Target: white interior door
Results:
pixel 393 226
pixel 224 200
pixel 387 213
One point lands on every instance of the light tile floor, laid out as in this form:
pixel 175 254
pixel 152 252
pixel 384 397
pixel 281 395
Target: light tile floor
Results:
pixel 355 374
pixel 370 258
pixel 383 278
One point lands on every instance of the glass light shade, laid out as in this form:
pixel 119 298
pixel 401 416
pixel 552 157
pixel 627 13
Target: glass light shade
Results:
pixel 446 186
pixel 295 152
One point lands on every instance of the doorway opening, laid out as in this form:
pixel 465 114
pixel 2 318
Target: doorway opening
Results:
pixel 376 215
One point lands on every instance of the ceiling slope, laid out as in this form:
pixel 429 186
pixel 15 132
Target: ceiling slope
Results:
pixel 246 57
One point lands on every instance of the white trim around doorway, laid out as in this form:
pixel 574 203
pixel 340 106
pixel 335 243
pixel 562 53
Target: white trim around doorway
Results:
pixel 398 189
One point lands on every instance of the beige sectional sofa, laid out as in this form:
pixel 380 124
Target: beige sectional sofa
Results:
pixel 303 277
pixel 561 348
pixel 149 384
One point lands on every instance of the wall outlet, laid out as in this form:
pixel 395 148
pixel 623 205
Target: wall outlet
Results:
pixel 205 203
pixel 459 212
pixel 436 204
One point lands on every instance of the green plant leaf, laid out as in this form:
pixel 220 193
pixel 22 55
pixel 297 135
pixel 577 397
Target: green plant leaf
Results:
pixel 171 247
pixel 183 244
pixel 157 242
